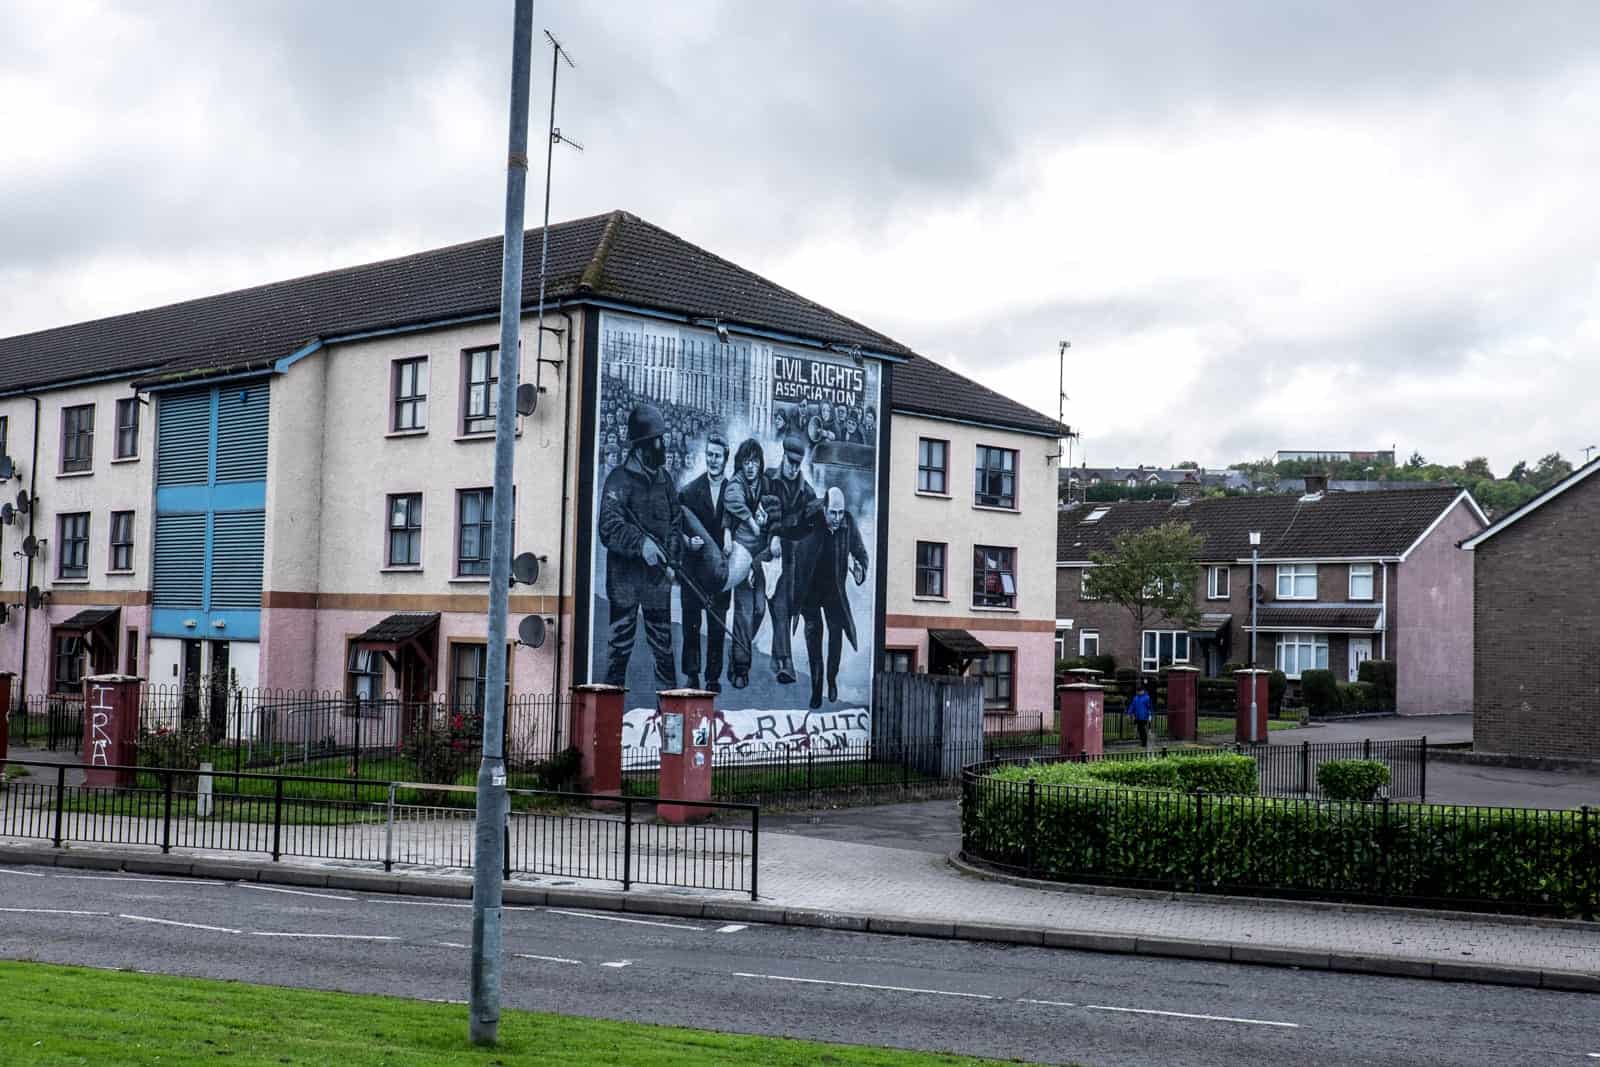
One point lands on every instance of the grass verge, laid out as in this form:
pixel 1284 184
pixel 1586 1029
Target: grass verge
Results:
pixel 71 1015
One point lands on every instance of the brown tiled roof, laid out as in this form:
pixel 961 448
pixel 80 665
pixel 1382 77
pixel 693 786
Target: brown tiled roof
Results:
pixel 402 626
pixel 1316 617
pixel 616 256
pixel 1336 525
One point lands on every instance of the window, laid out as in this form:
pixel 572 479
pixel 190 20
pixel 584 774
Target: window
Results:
pixel 469 669
pixel 1217 583
pixel 930 568
pixel 1085 588
pixel 933 466
pixel 1360 581
pixel 999 672
pixel 1089 642
pixel 131 663
pixel 72 535
pixel 900 660
pixel 365 674
pixel 474 518
pixel 994 577
pixel 77 438
pixel 411 394
pixel 5 434
pixel 121 541
pixel 127 446
pixel 480 374
pixel 405 530
pixel 1297 582
pixel 995 480
pixel 66 663
pixel 1162 648
pixel 1302 652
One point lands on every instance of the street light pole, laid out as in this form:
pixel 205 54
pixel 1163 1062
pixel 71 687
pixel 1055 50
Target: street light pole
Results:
pixel 489 843
pixel 1255 586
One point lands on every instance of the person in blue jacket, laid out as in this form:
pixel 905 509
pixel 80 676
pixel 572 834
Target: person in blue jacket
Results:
pixel 1139 709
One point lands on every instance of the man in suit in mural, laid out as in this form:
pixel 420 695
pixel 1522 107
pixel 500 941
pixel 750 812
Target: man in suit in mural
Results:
pixel 703 498
pixel 798 509
pixel 641 528
pixel 833 550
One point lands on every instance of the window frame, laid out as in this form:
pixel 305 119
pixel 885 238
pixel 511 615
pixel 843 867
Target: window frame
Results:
pixel 1008 701
pixel 80 551
pixel 981 469
pixel 1150 664
pixel 125 444
pixel 480 682
pixel 75 439
pixel 925 570
pixel 491 354
pixel 981 598
pixel 58 642
pixel 412 532
pixel 1295 572
pixel 1300 640
pixel 1372 581
pixel 910 654
pixel 354 673
pixel 415 402
pixel 1215 572
pixel 1083 584
pixel 926 470
pixel 1084 637
pixel 485 527
pixel 113 544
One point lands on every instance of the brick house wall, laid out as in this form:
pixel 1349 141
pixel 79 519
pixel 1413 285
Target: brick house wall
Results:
pixel 1536 640
pixel 1433 594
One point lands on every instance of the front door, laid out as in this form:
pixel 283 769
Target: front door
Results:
pixel 191 678
pixel 1360 652
pixel 220 679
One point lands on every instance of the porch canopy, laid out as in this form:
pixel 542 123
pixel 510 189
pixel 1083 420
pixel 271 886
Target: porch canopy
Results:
pixel 417 631
pixel 1213 626
pixel 961 645
pixel 97 629
pixel 1321 618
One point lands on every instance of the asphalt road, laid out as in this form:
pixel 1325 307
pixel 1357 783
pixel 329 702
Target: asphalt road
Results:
pixel 1013 1002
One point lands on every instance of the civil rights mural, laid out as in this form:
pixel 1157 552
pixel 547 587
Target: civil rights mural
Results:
pixel 735 530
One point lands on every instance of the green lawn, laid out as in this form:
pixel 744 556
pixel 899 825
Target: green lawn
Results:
pixel 69 1015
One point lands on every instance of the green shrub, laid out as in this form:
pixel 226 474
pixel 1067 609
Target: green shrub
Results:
pixel 1229 667
pixel 1125 674
pixel 1320 692
pixel 1380 674
pixel 182 748
pixel 1106 665
pixel 1277 682
pixel 1352 779
pixel 1221 772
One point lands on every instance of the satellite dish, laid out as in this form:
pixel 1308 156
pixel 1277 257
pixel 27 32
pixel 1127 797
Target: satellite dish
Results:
pixel 8 469
pixel 24 505
pixel 8 514
pixel 35 598
pixel 530 631
pixel 30 545
pixel 527 399
pixel 1261 593
pixel 525 569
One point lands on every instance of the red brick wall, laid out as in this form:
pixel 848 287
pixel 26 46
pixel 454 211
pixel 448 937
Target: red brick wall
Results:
pixel 1536 634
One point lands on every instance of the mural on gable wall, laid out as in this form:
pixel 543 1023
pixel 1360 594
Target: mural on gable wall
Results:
pixel 734 535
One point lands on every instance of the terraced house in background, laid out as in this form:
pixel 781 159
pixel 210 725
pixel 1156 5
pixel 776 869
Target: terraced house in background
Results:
pixel 1342 577
pixel 288 486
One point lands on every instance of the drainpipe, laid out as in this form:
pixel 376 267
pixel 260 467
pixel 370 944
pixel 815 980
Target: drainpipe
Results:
pixel 27 581
pixel 561 565
pixel 1383 634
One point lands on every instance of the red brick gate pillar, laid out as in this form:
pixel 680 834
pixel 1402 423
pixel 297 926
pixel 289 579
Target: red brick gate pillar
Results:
pixel 110 729
pixel 1183 702
pixel 1082 719
pixel 1250 729
pixel 597 733
pixel 688 733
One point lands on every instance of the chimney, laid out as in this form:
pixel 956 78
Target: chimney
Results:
pixel 1316 483
pixel 1189 488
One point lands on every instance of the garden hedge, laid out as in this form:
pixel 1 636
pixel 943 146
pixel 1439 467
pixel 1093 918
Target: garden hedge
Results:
pixel 1352 779
pixel 1495 859
pixel 1380 674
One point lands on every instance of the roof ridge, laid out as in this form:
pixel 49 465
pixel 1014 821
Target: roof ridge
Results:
pixel 595 269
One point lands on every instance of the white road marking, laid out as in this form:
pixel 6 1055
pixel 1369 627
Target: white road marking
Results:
pixel 1047 1003
pixel 51 911
pixel 620 919
pixel 1187 1015
pixel 135 878
pixel 25 874
pixel 732 928
pixel 546 959
pixel 418 903
pixel 293 892
pixel 454 944
pixel 618 964
pixel 866 985
pixel 323 937
pixel 175 922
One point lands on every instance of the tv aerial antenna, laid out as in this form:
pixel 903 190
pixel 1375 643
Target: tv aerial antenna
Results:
pixel 528 396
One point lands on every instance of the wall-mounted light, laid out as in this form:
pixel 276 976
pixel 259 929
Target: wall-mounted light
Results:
pixel 189 624
pixel 219 624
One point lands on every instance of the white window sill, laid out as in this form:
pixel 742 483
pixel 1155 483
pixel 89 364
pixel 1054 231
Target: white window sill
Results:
pixel 489 436
pixel 70 581
pixel 934 496
pixel 1219 598
pixel 469 579
pixel 119 574
pixel 1361 600
pixel 409 433
pixel 74 474
pixel 931 599
pixel 123 459
pixel 1004 611
pixel 1280 597
pixel 402 570
pixel 992 507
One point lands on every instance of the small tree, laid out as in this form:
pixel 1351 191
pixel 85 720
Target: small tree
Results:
pixel 1150 573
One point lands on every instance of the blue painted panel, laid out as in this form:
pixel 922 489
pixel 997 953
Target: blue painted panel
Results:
pixel 179 570
pixel 237 625
pixel 237 547
pixel 242 432
pixel 183 438
pixel 237 496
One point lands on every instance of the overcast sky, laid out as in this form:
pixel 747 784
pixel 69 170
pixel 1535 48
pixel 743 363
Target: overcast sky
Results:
pixel 1262 225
